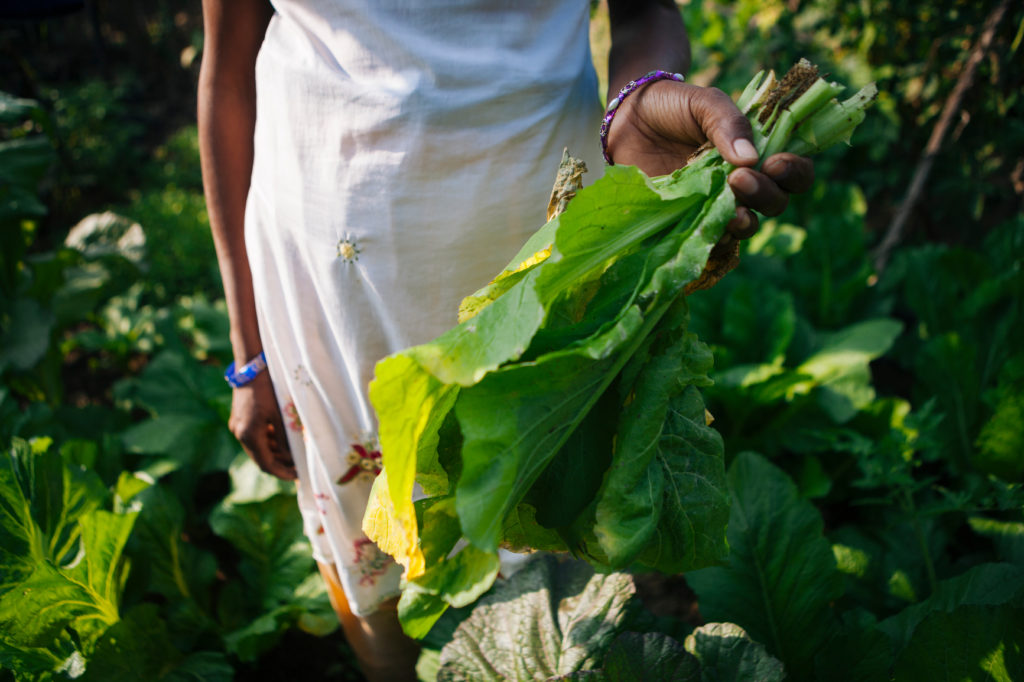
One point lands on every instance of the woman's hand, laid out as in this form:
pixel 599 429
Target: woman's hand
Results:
pixel 658 127
pixel 256 422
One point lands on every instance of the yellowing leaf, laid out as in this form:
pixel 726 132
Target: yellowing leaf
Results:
pixel 392 532
pixel 471 305
pixel 420 403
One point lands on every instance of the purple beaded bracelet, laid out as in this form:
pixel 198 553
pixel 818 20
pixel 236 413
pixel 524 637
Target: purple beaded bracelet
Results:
pixel 630 87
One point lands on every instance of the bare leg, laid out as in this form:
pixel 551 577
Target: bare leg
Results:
pixel 383 650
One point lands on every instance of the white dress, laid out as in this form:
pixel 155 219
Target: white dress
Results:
pixel 404 151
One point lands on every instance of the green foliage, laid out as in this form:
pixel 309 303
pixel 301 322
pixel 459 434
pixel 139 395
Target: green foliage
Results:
pixel 781 577
pixel 558 620
pixel 182 259
pixel 892 400
pixel 576 358
pixel 119 526
pixel 882 41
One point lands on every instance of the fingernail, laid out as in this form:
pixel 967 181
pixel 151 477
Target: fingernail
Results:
pixel 742 223
pixel 743 182
pixel 744 150
pixel 775 167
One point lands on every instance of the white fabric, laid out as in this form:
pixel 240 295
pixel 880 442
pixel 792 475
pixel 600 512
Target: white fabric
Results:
pixel 404 152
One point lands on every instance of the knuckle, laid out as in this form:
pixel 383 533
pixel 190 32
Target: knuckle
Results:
pixel 718 93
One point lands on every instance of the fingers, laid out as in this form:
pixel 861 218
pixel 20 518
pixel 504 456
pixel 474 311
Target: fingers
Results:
pixel 724 124
pixel 767 192
pixel 263 439
pixel 744 225
pixel 757 191
pixel 794 174
pixel 278 442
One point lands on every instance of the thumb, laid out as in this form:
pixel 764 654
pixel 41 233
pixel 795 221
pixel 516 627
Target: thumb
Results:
pixel 725 125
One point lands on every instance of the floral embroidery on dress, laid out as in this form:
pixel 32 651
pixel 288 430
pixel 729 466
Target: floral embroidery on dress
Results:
pixel 348 250
pixel 291 415
pixel 363 463
pixel 301 376
pixel 372 562
pixel 322 500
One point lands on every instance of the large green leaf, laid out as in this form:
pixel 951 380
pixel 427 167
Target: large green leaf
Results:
pixel 24 161
pixel 970 624
pixel 718 652
pixel 515 420
pixel 455 576
pixel 168 564
pixel 727 654
pixel 636 657
pixel 982 585
pixel 174 383
pixel 781 577
pixel 139 648
pixel 968 643
pixel 26 334
pixel 84 596
pixel 276 554
pixel 664 500
pixel 189 403
pixel 1008 537
pixel 41 503
pixel 1001 439
pixel 757 322
pixel 839 370
pixel 551 618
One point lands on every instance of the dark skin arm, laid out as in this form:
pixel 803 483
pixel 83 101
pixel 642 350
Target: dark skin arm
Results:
pixel 659 126
pixel 227 116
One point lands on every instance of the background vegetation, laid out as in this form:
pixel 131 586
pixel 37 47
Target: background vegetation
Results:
pixel 886 402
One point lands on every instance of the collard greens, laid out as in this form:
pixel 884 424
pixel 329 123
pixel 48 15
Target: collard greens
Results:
pixel 563 412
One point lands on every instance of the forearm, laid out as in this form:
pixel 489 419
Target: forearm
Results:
pixel 227 117
pixel 226 122
pixel 645 35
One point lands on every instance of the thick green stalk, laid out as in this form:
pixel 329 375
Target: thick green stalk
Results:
pixel 806 105
pixel 833 123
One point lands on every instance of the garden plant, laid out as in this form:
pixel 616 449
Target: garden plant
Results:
pixel 863 365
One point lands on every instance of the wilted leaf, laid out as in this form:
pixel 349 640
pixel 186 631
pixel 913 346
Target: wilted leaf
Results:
pixel 551 618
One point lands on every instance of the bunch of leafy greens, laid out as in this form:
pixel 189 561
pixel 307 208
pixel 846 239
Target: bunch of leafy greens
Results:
pixel 563 412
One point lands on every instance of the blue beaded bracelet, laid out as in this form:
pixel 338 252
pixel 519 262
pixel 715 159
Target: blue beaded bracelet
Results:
pixel 247 372
pixel 630 87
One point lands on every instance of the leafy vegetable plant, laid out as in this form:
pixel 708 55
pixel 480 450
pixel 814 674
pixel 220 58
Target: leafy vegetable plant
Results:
pixel 558 620
pixel 563 412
